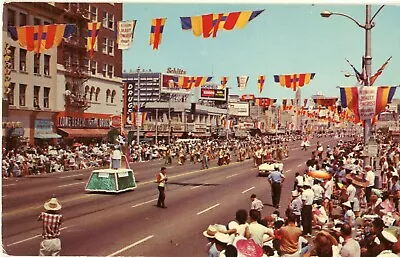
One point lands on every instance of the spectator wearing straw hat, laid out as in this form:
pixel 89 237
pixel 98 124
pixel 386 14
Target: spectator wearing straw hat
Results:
pixel 212 250
pixel 51 219
pixel 387 242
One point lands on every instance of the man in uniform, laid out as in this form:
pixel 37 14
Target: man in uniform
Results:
pixel 276 179
pixel 161 180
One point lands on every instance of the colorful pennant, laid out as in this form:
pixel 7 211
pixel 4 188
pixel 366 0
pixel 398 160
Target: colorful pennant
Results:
pixel 157 28
pixel 224 81
pixel 209 24
pixel 265 102
pixel 41 37
pixel 191 82
pixel 261 81
pixel 379 72
pixel 359 76
pixel 294 81
pixel 242 82
pixel 93 32
pixel 126 30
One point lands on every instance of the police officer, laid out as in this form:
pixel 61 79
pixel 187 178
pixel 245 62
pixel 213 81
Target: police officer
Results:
pixel 276 179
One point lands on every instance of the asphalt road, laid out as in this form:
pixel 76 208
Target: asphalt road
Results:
pixel 129 224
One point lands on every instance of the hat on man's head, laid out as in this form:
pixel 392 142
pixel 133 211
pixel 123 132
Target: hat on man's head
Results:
pixel 295 193
pixel 52 205
pixel 210 232
pixel 223 238
pixel 348 204
pixel 389 237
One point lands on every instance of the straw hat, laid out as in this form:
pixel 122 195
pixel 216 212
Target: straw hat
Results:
pixel 295 193
pixel 210 232
pixel 223 238
pixel 52 205
pixel 389 237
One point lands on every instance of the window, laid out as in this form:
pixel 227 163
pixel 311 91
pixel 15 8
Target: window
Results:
pixel 23 20
pixel 97 94
pixel 111 21
pixel 105 45
pixel 91 93
pixel 111 47
pixel 11 94
pixel 86 65
pixel 12 59
pixel 113 96
pixel 46 97
pixel 86 92
pixel 22 60
pixel 104 72
pixel 108 94
pixel 36 21
pixel 105 19
pixel 93 69
pixel 11 17
pixel 93 13
pixel 22 94
pixel 36 64
pixel 110 70
pixel 36 91
pixel 47 65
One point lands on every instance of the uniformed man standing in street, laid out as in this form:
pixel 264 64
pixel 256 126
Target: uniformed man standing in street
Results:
pixel 161 180
pixel 276 179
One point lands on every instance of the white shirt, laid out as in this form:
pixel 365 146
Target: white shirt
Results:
pixel 351 192
pixel 258 231
pixel 300 180
pixel 329 189
pixel 256 204
pixel 370 177
pixel 240 229
pixel 162 177
pixel 318 191
pixel 308 196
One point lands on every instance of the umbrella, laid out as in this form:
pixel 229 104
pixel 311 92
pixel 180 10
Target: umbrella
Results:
pixel 248 248
pixel 322 174
pixel 358 179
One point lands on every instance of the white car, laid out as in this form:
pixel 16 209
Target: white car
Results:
pixel 265 168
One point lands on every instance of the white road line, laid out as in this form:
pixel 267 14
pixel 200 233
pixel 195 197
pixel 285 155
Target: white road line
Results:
pixel 70 176
pixel 31 238
pixel 299 165
pixel 203 211
pixel 139 204
pixel 232 175
pixel 247 190
pixel 72 184
pixel 8 185
pixel 132 245
pixel 196 187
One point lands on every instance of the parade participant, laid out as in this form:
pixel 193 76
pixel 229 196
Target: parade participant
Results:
pixel 306 212
pixel 51 219
pixel 256 204
pixel 116 158
pixel 204 160
pixel 161 180
pixel 289 234
pixel 350 247
pixel 276 178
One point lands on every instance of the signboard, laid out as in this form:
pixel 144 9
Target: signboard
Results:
pixel 213 94
pixel 169 86
pixel 367 102
pixel 239 109
pixel 247 97
pixel 129 102
pixel 82 120
pixel 115 121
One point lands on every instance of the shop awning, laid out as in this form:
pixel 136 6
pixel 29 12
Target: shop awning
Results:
pixel 47 136
pixel 85 132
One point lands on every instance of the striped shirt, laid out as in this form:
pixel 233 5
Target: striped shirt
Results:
pixel 51 225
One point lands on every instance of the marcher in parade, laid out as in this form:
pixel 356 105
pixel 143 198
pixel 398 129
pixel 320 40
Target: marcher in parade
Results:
pixel 162 181
pixel 51 220
pixel 276 178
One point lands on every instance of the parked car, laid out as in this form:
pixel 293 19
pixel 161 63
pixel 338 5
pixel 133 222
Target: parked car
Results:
pixel 265 168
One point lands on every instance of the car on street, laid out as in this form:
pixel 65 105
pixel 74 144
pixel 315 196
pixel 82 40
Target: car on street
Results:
pixel 268 166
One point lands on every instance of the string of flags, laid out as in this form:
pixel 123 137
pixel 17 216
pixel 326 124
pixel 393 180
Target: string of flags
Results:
pixel 294 81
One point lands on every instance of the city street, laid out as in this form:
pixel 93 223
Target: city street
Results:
pixel 129 223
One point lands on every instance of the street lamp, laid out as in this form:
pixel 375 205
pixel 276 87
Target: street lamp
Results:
pixel 369 24
pixel 138 107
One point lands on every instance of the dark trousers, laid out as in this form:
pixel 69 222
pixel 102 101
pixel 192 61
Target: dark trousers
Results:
pixel 306 218
pixel 276 194
pixel 368 192
pixel 161 197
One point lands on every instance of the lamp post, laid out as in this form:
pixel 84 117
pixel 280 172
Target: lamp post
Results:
pixel 369 24
pixel 138 107
pixel 227 113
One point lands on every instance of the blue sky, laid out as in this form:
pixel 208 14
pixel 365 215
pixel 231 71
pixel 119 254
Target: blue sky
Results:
pixel 284 39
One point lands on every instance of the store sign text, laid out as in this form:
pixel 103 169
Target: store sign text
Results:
pixel 77 122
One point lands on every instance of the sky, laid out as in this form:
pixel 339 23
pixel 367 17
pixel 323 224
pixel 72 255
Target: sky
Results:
pixel 284 39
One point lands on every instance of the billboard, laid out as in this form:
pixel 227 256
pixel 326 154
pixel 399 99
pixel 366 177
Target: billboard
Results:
pixel 169 85
pixel 247 97
pixel 239 109
pixel 213 94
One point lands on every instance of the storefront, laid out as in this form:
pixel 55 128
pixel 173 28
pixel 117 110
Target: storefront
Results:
pixel 44 133
pixel 83 127
pixel 12 134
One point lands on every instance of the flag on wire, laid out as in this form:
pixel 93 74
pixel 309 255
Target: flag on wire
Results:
pixel 294 81
pixel 93 32
pixel 126 30
pixel 208 24
pixel 261 81
pixel 224 81
pixel 242 82
pixel 379 72
pixel 157 28
pixel 39 38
